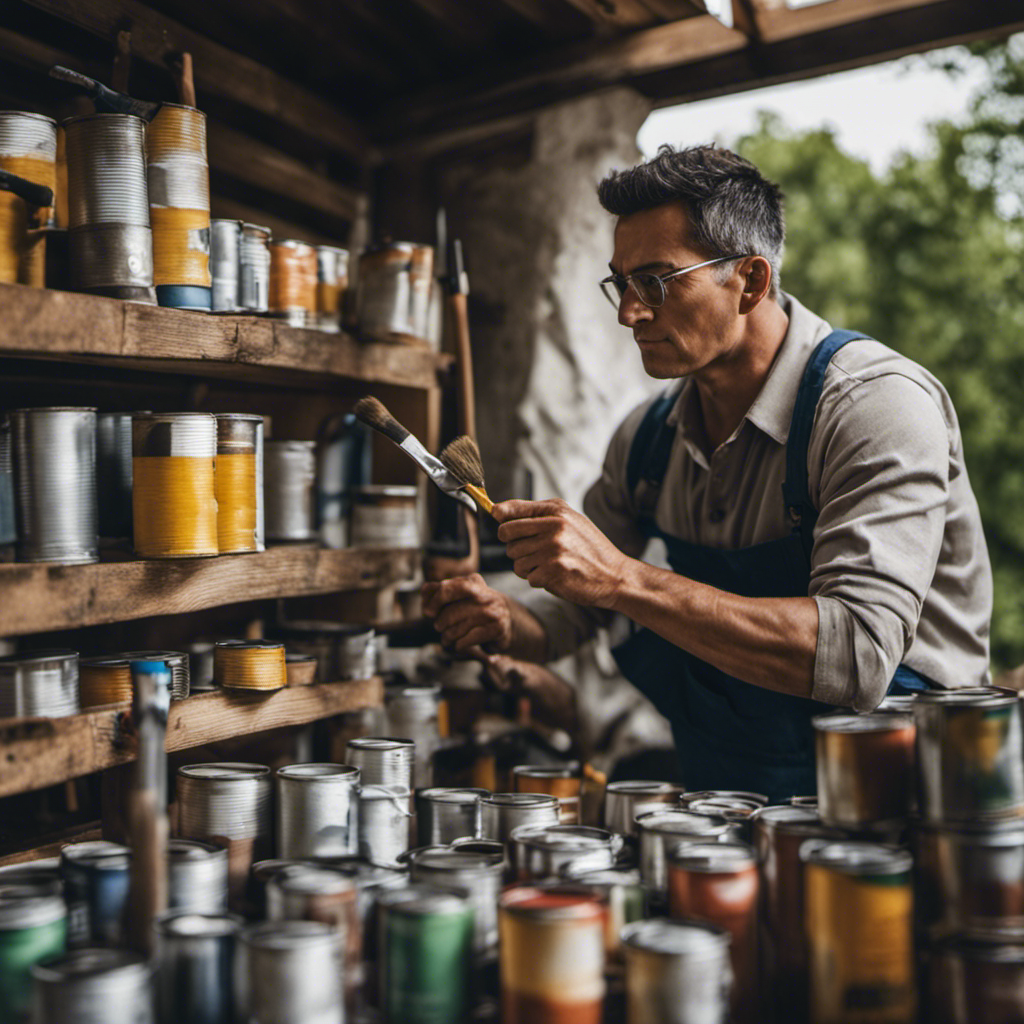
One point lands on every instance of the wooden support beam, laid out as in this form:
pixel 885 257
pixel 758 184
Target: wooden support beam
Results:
pixel 158 40
pixel 461 21
pixel 558 20
pixel 778 21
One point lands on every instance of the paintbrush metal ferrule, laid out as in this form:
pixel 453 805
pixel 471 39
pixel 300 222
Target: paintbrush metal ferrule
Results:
pixel 435 469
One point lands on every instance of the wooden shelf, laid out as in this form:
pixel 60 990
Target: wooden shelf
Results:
pixel 40 752
pixel 47 597
pixel 91 329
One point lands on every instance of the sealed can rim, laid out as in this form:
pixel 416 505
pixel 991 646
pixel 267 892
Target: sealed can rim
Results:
pixel 264 870
pixel 531 901
pixel 194 850
pixel 22 906
pixel 562 837
pixel 245 417
pixel 968 696
pixel 190 924
pixel 787 816
pixel 289 934
pixel 713 858
pixel 54 408
pixel 252 226
pixel 529 771
pixel 248 645
pixel 639 787
pixel 86 963
pixel 39 657
pixel 381 743
pixel 450 858
pixel 452 795
pixel 4 114
pixel 78 118
pixel 418 900
pixel 312 879
pixel 224 770
pixel 724 794
pixel 676 938
pixel 174 658
pixel 92 850
pixel 857 858
pixel 321 771
pixel 874 721
pixel 520 800
pixel 730 808
pixel 673 821
pixel 576 872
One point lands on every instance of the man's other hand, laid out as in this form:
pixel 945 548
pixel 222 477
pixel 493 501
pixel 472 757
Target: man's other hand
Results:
pixel 466 612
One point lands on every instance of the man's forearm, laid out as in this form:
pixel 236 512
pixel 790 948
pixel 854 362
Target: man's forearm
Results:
pixel 529 638
pixel 767 641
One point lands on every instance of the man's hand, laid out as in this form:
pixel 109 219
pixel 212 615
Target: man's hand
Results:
pixel 467 612
pixel 557 548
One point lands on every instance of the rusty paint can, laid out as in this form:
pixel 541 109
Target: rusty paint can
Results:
pixel 225 265
pixel 718 883
pixel 256 666
pixel 970 754
pixel 39 684
pixel 500 813
pixel 290 490
pixel 976 979
pixel 384 516
pixel 393 291
pixel 179 206
pixel 564 782
pixel 331 282
pixel 110 239
pixel 865 770
pixel 238 483
pixel 860 933
pixel 662 830
pixel 551 957
pixel 541 852
pixel 317 810
pixel 623 801
pixel 293 282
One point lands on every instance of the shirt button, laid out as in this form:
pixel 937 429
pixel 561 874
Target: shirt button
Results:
pixel 717 515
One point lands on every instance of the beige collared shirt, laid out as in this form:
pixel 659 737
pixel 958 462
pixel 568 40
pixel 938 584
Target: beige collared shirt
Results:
pixel 899 568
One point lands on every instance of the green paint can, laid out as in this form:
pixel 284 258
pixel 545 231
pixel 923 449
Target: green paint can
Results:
pixel 32 928
pixel 426 938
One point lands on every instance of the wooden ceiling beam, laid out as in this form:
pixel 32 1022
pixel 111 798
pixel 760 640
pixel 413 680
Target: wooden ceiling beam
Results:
pixel 615 15
pixel 557 20
pixel 461 20
pixel 158 40
pixel 778 22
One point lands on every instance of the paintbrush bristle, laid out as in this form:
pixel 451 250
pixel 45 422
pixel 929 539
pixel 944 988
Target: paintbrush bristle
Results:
pixel 374 413
pixel 462 459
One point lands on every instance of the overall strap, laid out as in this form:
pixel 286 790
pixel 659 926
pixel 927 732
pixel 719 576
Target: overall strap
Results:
pixel 651 447
pixel 796 490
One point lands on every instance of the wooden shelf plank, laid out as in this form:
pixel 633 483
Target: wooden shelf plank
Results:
pixel 40 752
pixel 46 597
pixel 48 324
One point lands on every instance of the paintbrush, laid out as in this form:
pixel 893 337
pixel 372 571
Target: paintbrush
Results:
pixel 107 100
pixel 374 414
pixel 462 459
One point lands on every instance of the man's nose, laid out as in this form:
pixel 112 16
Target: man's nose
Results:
pixel 631 310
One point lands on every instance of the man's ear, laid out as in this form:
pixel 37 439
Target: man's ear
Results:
pixel 756 274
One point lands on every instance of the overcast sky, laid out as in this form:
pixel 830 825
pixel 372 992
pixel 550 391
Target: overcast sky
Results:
pixel 875 111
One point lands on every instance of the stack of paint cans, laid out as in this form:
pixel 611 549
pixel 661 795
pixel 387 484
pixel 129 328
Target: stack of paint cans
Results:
pixel 42 684
pixel 111 243
pixel 393 291
pixel 238 479
pixel 290 490
pixel 179 206
pixel 331 283
pixel 293 282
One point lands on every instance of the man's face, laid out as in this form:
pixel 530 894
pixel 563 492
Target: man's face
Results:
pixel 698 322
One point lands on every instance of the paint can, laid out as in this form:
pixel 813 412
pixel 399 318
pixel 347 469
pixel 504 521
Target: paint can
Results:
pixel 289 489
pixel 317 810
pixel 736 811
pixel 382 760
pixel 976 979
pixel 93 986
pixel 33 927
pixel 551 957
pixel 43 875
pixel 564 782
pixel 803 801
pixel 254 268
pixel 860 933
pixel 677 972
pixel 96 875
pixel 114 473
pixel 357 653
pixel 289 971
pixel 259 878
pixel 103 680
pixel 110 239
pixel 500 813
pixel 55 484
pixel 293 282
pixel 39 684
pixel 411 711
pixel 623 801
pixel 622 891
pixel 300 669
pixel 898 703
pixel 225 265
pixel 546 851
pixel 197 877
pixel 664 829
pixel 256 666
pixel 969 754
pixel 718 883
pixel 194 959
pixel 331 282
pixel 179 206
pixel 200 666
pixel 865 770
pixel 173 496
pixel 479 875
pixel 238 483
pixel 444 814
pixel 426 937
pixel 8 528
pixel 393 291
pixel 383 824
pixel 229 804
pixel 384 516
pixel 177 664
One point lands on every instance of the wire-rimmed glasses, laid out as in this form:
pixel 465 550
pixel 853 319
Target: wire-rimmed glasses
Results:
pixel 650 287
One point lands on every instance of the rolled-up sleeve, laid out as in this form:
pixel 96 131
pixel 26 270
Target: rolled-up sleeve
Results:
pixel 883 449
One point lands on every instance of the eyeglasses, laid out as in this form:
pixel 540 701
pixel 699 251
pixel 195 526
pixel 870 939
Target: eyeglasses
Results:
pixel 650 288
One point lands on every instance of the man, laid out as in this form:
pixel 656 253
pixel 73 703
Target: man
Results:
pixel 809 484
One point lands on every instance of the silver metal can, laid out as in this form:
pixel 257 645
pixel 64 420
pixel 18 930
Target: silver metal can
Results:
pixel 623 801
pixel 177 664
pixel 356 653
pixel 8 528
pixel 500 813
pixel 677 972
pixel 254 268
pixel 331 281
pixel 194 959
pixel 55 484
pixel 411 711
pixel 289 487
pixel 383 824
pixel 393 290
pixel 317 810
pixel 197 877
pixel 382 760
pixel 662 830
pixel 238 483
pixel 289 971
pixel 738 795
pixel 39 684
pixel 94 986
pixel 970 754
pixel 114 473
pixel 444 814
pixel 384 516
pixel 225 241
pixel 547 851
pixel 736 811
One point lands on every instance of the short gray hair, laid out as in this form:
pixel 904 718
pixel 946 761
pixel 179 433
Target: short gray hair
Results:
pixel 733 208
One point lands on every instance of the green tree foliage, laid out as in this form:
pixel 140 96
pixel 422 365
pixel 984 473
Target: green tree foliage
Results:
pixel 926 257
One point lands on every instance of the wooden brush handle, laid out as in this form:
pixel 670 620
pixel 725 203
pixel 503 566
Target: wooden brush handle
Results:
pixel 479 495
pixel 147 896
pixel 186 82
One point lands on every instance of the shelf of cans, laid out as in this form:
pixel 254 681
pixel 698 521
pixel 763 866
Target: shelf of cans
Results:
pixel 134 223
pixel 347 893
pixel 183 485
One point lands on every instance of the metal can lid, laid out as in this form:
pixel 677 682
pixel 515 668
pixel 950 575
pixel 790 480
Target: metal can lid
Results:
pixel 783 817
pixel 26 906
pixel 381 743
pixel 54 408
pixel 730 808
pixel 246 417
pixel 248 645
pixel 520 800
pixel 289 934
pixel 672 821
pixel 530 901
pixel 397 794
pixel 724 794
pixel 179 850
pixel 578 871
pixel 384 490
pixel 643 787
pixel 856 858
pixel 876 721
pixel 321 772
pixel 677 938
pixel 562 837
pixel 173 417
pixel 264 870
pixel 452 795
pixel 190 925
pixel 421 900
pixel 224 770
pixel 450 858
pixel 713 858
pixel 171 657
pixel 90 963
pixel 92 851
pixel 471 844
pixel 311 879
pixel 548 771
pixel 973 696
pixel 41 657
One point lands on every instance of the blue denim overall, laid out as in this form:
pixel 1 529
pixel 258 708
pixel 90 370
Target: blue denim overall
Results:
pixel 730 734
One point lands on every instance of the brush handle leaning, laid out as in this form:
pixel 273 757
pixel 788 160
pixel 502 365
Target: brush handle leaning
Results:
pixel 479 495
